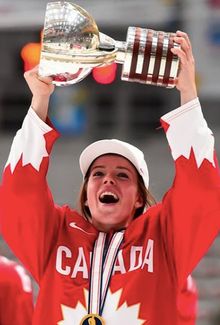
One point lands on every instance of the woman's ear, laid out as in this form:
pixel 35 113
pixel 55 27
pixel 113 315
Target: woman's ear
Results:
pixel 86 203
pixel 139 202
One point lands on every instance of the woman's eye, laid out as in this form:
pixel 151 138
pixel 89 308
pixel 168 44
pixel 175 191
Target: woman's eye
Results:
pixel 122 175
pixel 98 173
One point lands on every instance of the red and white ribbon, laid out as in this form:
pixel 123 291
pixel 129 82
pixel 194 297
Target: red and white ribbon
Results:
pixel 101 269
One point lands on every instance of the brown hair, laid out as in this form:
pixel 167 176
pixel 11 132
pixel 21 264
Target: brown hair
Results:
pixel 147 197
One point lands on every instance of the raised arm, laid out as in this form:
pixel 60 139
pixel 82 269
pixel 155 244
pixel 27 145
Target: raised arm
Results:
pixel 29 218
pixel 41 89
pixel 191 208
pixel 186 77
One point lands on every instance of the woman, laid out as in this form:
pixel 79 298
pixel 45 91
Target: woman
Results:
pixel 119 261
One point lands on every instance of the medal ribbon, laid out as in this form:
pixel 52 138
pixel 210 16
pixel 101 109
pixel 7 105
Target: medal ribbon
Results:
pixel 101 270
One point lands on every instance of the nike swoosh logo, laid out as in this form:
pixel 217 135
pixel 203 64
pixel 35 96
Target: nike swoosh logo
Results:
pixel 74 225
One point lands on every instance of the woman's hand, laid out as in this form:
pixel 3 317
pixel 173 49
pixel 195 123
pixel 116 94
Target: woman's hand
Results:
pixel 185 82
pixel 41 88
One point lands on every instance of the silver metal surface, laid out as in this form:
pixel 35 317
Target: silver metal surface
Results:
pixel 72 46
pixel 160 68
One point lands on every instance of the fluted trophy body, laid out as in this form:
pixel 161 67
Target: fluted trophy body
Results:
pixel 72 46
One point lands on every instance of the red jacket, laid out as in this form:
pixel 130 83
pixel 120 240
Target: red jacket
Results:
pixel 16 297
pixel 187 303
pixel 160 248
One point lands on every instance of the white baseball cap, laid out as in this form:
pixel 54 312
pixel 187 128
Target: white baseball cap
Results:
pixel 114 146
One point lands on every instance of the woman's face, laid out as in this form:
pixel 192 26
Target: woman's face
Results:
pixel 112 192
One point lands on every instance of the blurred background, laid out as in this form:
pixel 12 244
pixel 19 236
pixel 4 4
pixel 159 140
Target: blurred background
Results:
pixel 104 106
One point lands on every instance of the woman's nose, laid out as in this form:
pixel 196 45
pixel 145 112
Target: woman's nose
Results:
pixel 108 179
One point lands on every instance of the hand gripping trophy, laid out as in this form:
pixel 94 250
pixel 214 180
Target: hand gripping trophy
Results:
pixel 72 46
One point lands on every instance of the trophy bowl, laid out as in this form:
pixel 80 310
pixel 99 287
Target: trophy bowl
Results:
pixel 69 34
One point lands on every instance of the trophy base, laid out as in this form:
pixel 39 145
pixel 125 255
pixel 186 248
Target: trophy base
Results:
pixel 149 59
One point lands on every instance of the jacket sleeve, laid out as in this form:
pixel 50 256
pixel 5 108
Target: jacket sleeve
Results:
pixel 16 295
pixel 29 219
pixel 191 208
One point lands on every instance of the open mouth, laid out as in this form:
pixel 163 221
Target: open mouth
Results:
pixel 108 198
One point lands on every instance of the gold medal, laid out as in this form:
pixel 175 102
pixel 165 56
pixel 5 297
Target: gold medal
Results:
pixel 92 319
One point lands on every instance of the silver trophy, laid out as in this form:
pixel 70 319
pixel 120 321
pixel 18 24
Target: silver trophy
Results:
pixel 72 46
